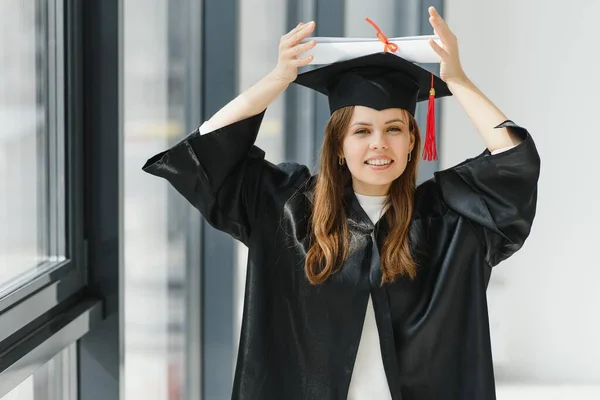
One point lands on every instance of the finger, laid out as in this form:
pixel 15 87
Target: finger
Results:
pixel 435 14
pixel 440 26
pixel 443 32
pixel 295 51
pixel 293 31
pixel 301 62
pixel 301 34
pixel 438 49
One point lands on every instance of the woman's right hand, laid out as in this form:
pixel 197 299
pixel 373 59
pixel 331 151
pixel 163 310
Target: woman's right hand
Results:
pixel 290 50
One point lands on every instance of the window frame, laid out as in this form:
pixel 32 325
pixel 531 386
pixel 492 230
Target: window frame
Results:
pixel 27 294
pixel 46 310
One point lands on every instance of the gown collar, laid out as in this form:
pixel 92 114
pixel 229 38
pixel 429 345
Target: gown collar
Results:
pixel 357 217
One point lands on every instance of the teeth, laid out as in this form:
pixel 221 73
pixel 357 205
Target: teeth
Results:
pixel 379 162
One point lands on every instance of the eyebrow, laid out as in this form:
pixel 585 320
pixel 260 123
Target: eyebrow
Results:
pixel 388 122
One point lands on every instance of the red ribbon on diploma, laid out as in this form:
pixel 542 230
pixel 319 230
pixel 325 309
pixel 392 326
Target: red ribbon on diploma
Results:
pixel 393 47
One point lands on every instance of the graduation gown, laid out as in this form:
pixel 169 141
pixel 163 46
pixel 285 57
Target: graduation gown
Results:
pixel 299 341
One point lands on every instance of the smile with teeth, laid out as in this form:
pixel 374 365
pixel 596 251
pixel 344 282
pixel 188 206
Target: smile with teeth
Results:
pixel 378 162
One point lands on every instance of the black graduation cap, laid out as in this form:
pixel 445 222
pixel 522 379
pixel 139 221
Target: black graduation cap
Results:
pixel 378 80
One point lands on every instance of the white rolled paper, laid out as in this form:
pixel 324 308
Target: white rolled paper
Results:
pixel 412 48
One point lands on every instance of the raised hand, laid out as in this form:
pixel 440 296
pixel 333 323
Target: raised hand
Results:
pixel 290 50
pixel 450 66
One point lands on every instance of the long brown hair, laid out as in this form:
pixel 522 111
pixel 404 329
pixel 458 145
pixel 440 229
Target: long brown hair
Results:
pixel 329 230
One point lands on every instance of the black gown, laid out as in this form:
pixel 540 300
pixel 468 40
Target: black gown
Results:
pixel 299 341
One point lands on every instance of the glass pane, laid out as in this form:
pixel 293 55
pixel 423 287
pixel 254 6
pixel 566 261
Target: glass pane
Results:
pixel 26 145
pixel 22 392
pixel 55 380
pixel 155 215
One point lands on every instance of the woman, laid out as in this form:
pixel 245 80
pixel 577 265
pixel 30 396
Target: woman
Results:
pixel 361 285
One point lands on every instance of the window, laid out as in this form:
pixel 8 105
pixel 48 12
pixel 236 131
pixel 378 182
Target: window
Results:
pixel 32 204
pixel 159 248
pixel 41 243
pixel 53 381
pixel 257 55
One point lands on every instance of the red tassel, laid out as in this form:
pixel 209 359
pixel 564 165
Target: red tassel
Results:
pixel 430 151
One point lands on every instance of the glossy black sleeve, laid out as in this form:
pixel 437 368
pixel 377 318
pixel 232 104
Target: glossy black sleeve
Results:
pixel 497 192
pixel 221 173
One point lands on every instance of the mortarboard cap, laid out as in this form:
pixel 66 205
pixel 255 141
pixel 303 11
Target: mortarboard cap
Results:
pixel 378 76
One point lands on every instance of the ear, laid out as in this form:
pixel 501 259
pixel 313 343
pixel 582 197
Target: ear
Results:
pixel 411 146
pixel 412 128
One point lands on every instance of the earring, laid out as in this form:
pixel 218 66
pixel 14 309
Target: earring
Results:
pixel 341 160
pixel 409 156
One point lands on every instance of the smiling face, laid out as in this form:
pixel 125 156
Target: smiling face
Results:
pixel 376 147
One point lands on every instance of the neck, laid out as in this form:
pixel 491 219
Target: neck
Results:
pixel 371 190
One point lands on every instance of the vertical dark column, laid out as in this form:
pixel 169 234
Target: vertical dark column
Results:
pixel 219 86
pixel 74 139
pixel 407 21
pixel 300 102
pixel 330 22
pixel 100 357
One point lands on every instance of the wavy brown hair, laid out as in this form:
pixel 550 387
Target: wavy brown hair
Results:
pixel 329 230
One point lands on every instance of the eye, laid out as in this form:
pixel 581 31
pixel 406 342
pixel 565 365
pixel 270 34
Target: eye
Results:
pixel 394 129
pixel 362 131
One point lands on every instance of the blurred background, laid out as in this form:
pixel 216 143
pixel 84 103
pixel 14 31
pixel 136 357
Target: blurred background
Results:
pixel 180 283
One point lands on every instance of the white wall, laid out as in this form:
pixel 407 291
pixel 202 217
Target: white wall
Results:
pixel 539 62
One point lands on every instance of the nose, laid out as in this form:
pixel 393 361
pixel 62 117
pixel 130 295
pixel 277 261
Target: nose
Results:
pixel 378 142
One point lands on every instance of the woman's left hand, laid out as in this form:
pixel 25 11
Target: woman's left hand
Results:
pixel 450 68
